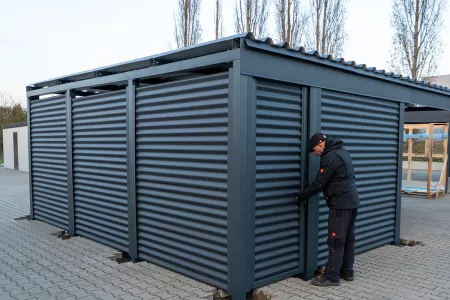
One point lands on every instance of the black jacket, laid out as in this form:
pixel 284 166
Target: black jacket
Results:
pixel 336 178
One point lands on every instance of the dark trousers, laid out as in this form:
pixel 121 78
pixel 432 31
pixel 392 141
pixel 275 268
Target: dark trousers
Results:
pixel 341 242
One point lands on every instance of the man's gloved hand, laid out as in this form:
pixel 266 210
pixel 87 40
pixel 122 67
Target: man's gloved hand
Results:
pixel 301 196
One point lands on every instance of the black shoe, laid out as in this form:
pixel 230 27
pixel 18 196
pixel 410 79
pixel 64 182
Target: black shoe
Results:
pixel 347 275
pixel 323 281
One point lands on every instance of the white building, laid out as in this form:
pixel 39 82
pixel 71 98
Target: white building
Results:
pixel 15 146
pixel 443 80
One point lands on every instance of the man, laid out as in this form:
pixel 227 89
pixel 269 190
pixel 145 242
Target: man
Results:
pixel 336 179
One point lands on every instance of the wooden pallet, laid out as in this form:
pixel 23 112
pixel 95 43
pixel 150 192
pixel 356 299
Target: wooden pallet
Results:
pixel 418 194
pixel 439 190
pixel 422 191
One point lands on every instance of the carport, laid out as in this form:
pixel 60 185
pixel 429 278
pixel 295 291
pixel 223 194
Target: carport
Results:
pixel 191 159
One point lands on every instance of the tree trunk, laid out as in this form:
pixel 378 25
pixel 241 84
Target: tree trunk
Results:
pixel 217 19
pixel 283 20
pixel 324 27
pixel 248 16
pixel 254 19
pixel 186 23
pixel 318 2
pixel 416 41
pixel 289 24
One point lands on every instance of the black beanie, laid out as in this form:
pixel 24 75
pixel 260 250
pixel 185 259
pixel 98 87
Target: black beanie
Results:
pixel 316 140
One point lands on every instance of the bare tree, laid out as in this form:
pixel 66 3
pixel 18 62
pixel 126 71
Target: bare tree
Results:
pixel 188 30
pixel 6 99
pixel 218 19
pixel 11 110
pixel 251 16
pixel 416 42
pixel 327 31
pixel 291 23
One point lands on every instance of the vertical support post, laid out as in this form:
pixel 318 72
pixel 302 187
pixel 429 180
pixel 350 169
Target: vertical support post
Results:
pixel 131 168
pixel 30 156
pixel 445 127
pixel 69 150
pixel 238 214
pixel 398 209
pixel 312 231
pixel 430 160
pixel 304 173
pixel 441 178
pixel 410 153
pixel 445 166
pixel 250 93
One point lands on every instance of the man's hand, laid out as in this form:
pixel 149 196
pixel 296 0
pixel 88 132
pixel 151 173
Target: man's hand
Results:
pixel 301 196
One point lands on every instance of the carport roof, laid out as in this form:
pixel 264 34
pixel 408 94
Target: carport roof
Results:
pixel 250 41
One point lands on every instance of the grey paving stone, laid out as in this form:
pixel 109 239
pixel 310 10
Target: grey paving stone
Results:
pixel 99 293
pixel 90 297
pixel 136 291
pixel 314 297
pixel 42 296
pixel 117 292
pixel 63 295
pixel 193 297
pixel 34 260
pixel 164 295
pixel 129 297
pixel 80 294
pixel 107 297
pixel 23 296
pixel 148 297
pixel 299 293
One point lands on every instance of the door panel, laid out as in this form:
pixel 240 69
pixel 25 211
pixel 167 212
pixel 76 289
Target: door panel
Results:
pixel 279 217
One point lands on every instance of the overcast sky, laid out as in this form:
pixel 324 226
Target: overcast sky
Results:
pixel 42 39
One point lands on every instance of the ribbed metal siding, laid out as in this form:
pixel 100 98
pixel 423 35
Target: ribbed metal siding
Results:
pixel 278 178
pixel 370 129
pixel 181 149
pixel 100 168
pixel 49 161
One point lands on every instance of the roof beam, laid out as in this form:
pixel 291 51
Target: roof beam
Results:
pixel 298 71
pixel 171 68
pixel 348 66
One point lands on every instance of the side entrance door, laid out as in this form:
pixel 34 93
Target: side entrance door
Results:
pixel 16 151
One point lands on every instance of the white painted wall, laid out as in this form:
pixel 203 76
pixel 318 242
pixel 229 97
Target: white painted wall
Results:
pixel 8 151
pixel 8 147
pixel 443 80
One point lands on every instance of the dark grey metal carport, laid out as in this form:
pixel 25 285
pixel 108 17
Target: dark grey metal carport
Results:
pixel 192 159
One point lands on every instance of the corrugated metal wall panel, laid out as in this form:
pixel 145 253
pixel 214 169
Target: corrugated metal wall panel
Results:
pixel 370 130
pixel 49 161
pixel 182 153
pixel 100 168
pixel 278 178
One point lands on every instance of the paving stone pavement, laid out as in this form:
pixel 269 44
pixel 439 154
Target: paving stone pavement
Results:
pixel 391 272
pixel 34 264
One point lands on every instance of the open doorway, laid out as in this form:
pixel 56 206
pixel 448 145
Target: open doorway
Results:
pixel 425 152
pixel 16 151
